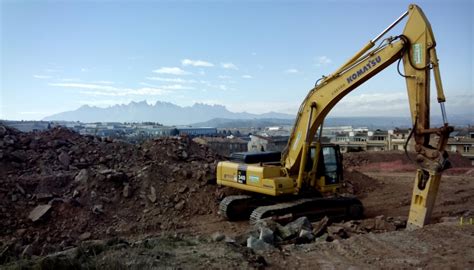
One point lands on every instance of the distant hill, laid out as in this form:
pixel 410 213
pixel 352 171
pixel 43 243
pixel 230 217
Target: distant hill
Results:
pixel 162 112
pixel 200 115
pixel 244 123
pixel 357 121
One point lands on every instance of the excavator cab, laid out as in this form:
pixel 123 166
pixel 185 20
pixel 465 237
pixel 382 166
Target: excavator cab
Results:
pixel 324 170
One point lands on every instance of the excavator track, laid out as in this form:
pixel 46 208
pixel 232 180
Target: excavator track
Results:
pixel 235 207
pixel 313 208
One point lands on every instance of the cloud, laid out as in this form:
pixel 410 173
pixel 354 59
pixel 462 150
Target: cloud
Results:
pixel 104 82
pixel 84 69
pixel 70 80
pixel 224 77
pixel 172 80
pixel 291 70
pixel 171 71
pixel 370 104
pixel 196 63
pixel 323 60
pixel 86 86
pixel 247 76
pixel 177 87
pixel 52 70
pixel 229 66
pixel 42 77
pixel 107 90
pixel 144 91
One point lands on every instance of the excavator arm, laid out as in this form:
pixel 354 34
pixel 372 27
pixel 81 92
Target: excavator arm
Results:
pixel 416 46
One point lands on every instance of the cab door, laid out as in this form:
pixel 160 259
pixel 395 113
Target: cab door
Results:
pixel 331 164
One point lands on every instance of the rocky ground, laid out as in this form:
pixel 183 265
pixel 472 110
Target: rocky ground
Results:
pixel 79 202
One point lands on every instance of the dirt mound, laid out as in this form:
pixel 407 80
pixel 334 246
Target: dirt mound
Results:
pixel 358 183
pixel 396 161
pixel 58 188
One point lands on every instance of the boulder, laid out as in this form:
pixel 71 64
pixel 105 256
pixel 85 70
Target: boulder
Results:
pixel 293 228
pixel 64 159
pixel 126 191
pixel 39 211
pixel 85 236
pixel 179 206
pixel 319 228
pixel 152 195
pixel 217 236
pixel 258 245
pixel 82 177
pixel 267 235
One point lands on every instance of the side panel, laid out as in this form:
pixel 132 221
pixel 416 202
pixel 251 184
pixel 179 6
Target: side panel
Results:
pixel 251 177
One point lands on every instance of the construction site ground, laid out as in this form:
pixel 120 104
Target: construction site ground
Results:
pixel 154 206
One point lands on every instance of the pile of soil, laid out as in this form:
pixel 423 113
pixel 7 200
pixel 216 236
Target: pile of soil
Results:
pixel 58 188
pixel 358 183
pixel 398 161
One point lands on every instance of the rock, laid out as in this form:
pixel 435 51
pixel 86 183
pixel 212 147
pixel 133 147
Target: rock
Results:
pixel 21 232
pixel 43 196
pixel 258 245
pixel 14 197
pixel 266 235
pixel 183 189
pixel 3 131
pixel 117 177
pixel 382 225
pixel 293 228
pixel 75 193
pixel 27 251
pixel 20 189
pixel 217 236
pixel 322 238
pixel 39 211
pixel 337 232
pixel 179 206
pixel 229 240
pixel 305 236
pixel 98 209
pixel 449 220
pixel 64 159
pixel 320 227
pixel 152 195
pixel 368 224
pixel 85 236
pixel 106 171
pixel 111 231
pixel 19 156
pixel 126 191
pixel 82 177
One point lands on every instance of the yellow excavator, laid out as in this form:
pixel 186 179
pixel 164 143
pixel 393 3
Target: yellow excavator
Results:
pixel 306 178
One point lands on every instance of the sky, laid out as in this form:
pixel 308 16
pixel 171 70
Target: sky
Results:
pixel 253 56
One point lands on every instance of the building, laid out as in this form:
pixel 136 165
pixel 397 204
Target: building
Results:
pixel 260 143
pixel 378 140
pixel 197 131
pixel 223 146
pixel 462 142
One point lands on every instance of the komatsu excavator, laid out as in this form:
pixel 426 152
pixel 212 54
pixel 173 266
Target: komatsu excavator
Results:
pixel 306 178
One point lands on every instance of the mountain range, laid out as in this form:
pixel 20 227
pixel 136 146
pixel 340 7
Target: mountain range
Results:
pixel 162 112
pixel 203 115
